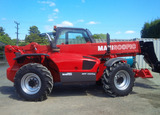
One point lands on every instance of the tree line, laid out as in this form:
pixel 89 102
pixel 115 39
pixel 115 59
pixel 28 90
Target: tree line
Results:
pixel 33 37
pixel 4 37
pixel 149 30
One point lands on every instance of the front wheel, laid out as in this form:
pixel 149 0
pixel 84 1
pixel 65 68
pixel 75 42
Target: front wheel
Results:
pixel 33 82
pixel 118 80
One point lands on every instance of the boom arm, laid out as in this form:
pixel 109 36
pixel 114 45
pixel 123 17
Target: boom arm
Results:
pixel 150 57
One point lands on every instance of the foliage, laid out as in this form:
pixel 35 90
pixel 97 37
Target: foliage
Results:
pixel 4 37
pixel 151 30
pixel 6 40
pixel 34 36
pixel 2 31
pixel 34 30
pixel 14 41
pixel 20 43
pixel 78 37
pixel 1 48
pixel 23 43
pixel 99 36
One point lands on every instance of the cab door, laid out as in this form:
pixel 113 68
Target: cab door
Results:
pixel 74 67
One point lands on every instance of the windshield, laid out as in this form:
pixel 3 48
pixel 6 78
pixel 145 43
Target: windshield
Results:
pixel 51 35
pixel 46 38
pixel 48 35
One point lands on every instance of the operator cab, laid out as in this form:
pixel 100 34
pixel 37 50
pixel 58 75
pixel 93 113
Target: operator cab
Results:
pixel 66 35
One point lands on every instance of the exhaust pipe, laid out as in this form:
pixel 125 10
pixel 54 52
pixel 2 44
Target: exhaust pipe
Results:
pixel 108 44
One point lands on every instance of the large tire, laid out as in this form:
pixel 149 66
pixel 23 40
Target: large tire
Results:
pixel 33 82
pixel 118 80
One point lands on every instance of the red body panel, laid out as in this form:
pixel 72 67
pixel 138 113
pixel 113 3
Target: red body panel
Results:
pixel 67 62
pixel 96 49
pixel 70 58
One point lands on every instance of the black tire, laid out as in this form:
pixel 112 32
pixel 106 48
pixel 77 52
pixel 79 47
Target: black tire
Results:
pixel 33 82
pixel 99 83
pixel 118 80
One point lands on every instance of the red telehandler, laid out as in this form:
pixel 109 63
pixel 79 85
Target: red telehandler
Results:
pixel 72 56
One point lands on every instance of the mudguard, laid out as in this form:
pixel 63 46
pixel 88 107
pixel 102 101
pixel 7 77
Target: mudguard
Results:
pixel 110 62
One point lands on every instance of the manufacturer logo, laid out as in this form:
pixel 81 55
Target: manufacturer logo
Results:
pixel 118 47
pixel 66 74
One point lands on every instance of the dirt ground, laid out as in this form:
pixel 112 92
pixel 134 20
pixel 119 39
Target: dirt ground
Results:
pixel 83 99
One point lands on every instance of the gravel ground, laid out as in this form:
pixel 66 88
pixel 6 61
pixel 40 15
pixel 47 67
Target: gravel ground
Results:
pixel 83 99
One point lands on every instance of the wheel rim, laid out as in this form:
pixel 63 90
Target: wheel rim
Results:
pixel 122 80
pixel 30 83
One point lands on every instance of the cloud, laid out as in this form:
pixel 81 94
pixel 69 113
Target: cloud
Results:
pixel 54 14
pixel 48 28
pixel 65 23
pixel 56 10
pixel 52 4
pixel 43 9
pixel 92 22
pixel 3 19
pixel 130 32
pixel 47 2
pixel 119 32
pixel 50 20
pixel 55 17
pixel 81 20
pixel 83 1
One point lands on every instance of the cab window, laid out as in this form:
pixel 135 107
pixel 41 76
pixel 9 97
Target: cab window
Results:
pixel 61 38
pixel 76 38
pixel 73 36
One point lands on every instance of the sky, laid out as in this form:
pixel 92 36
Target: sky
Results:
pixel 122 19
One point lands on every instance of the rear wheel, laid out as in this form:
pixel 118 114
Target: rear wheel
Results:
pixel 33 82
pixel 118 80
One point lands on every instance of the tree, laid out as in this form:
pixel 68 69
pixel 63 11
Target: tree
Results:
pixel 99 36
pixel 14 41
pixel 151 30
pixel 5 37
pixel 34 36
pixel 34 30
pixel 22 43
pixel 2 31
